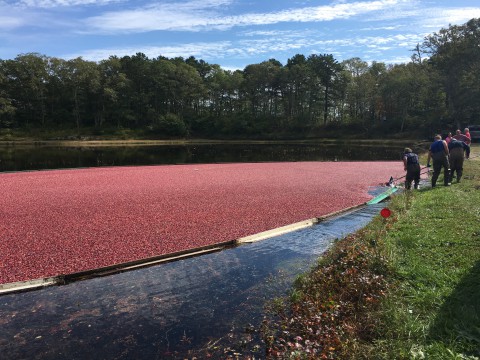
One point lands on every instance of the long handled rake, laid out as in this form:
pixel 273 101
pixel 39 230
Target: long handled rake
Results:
pixel 392 180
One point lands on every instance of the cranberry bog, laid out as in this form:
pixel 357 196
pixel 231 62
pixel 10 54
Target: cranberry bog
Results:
pixel 204 307
pixel 61 222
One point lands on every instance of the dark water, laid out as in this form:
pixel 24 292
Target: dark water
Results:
pixel 18 158
pixel 211 304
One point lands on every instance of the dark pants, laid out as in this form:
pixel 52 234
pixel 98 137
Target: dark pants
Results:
pixel 413 174
pixel 440 159
pixel 456 163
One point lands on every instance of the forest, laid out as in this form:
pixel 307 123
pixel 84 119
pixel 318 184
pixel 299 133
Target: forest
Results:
pixel 309 96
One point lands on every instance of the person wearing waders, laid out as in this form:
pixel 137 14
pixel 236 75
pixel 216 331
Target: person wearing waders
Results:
pixel 439 154
pixel 458 151
pixel 412 167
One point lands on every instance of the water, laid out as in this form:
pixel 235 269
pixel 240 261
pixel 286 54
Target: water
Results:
pixel 211 304
pixel 36 157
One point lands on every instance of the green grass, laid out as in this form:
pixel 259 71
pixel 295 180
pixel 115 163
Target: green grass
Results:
pixel 434 248
pixel 418 273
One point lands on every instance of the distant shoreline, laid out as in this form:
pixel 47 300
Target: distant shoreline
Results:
pixel 142 142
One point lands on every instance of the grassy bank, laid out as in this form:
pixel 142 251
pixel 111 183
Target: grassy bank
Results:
pixel 406 287
pixel 434 249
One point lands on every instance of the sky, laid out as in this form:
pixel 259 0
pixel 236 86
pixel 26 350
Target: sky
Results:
pixel 230 33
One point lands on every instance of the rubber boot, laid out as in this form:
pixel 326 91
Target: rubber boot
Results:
pixel 448 176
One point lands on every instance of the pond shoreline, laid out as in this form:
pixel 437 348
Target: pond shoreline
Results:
pixel 142 142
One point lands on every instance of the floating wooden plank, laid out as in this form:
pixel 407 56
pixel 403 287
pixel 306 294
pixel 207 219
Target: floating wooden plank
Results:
pixel 34 284
pixel 382 196
pixel 277 231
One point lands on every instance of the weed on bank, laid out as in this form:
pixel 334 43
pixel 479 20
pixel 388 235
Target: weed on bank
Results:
pixel 405 287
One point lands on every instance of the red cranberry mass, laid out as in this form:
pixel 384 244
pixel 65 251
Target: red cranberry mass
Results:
pixel 65 221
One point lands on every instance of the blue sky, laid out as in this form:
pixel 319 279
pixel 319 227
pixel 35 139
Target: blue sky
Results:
pixel 231 33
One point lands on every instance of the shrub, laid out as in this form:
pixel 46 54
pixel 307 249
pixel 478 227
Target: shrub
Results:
pixel 170 125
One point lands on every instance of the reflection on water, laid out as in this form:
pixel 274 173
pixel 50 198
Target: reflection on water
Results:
pixel 17 158
pixel 210 304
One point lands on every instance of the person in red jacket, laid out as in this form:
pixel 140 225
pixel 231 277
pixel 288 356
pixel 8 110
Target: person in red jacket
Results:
pixel 469 137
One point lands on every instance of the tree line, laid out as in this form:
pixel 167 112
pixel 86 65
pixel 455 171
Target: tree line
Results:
pixel 439 88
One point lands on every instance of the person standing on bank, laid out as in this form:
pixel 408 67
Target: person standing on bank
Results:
pixel 461 137
pixel 439 154
pixel 458 150
pixel 412 167
pixel 448 138
pixel 466 132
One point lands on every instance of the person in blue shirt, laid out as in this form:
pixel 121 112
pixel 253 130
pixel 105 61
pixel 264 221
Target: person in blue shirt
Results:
pixel 412 166
pixel 458 151
pixel 439 154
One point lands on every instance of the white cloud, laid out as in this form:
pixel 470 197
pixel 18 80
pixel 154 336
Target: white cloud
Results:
pixel 438 18
pixel 10 22
pixel 204 50
pixel 393 27
pixel 396 60
pixel 270 46
pixel 199 15
pixel 12 17
pixel 233 68
pixel 63 3
pixel 166 16
pixel 285 43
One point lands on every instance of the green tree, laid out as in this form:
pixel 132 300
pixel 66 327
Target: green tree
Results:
pixel 411 96
pixel 455 53
pixel 359 89
pixel 217 86
pixel 261 91
pixel 203 68
pixel 377 73
pixel 113 83
pixel 7 110
pixel 224 103
pixel 188 90
pixel 261 87
pixel 139 90
pixel 295 78
pixel 59 100
pixel 82 79
pixel 26 78
pixel 325 77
